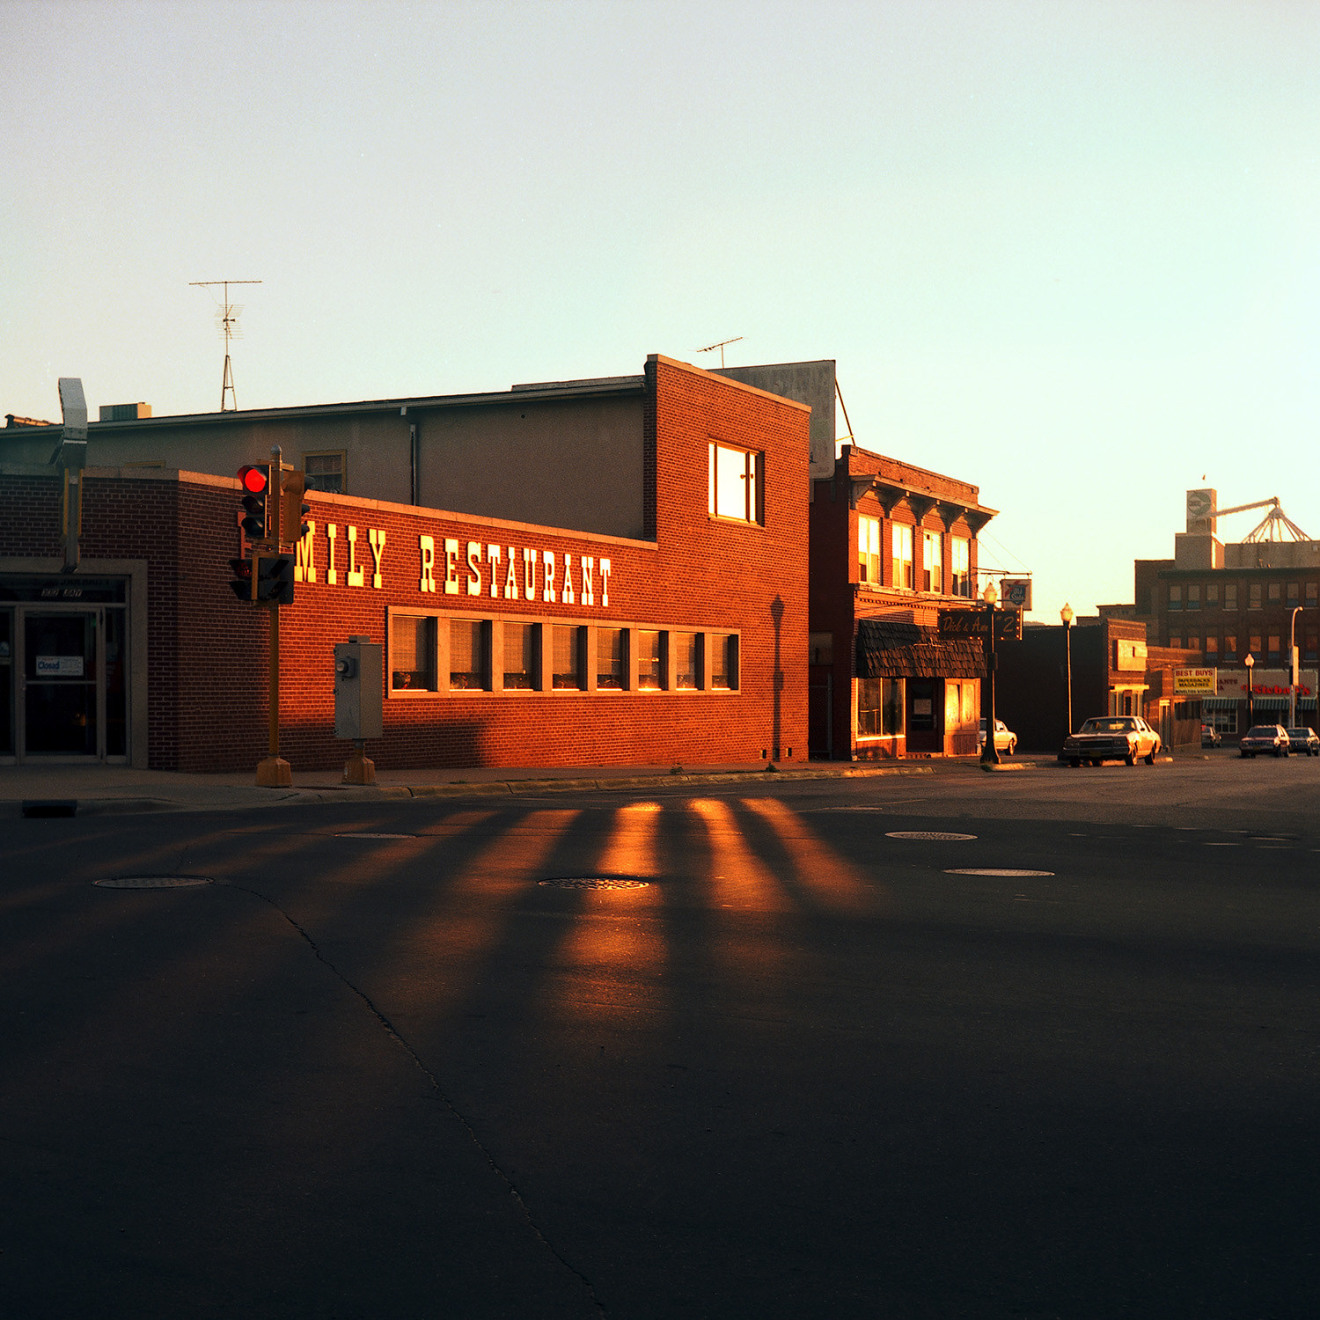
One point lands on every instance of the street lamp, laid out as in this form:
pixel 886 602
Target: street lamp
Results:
pixel 1250 660
pixel 989 752
pixel 1292 660
pixel 1066 615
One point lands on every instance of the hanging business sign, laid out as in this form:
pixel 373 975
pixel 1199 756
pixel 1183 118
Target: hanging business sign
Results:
pixel 972 623
pixel 1016 592
pixel 1195 682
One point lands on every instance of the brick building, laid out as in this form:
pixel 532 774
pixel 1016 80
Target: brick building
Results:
pixel 1222 601
pixel 615 574
pixel 892 545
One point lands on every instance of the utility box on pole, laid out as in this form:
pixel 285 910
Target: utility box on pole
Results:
pixel 359 696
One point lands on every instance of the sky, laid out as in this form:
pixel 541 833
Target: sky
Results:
pixel 1067 251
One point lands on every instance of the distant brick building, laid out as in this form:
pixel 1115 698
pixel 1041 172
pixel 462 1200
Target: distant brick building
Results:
pixel 618 576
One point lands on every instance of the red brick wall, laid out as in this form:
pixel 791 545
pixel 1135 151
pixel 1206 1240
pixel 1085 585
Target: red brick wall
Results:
pixel 208 663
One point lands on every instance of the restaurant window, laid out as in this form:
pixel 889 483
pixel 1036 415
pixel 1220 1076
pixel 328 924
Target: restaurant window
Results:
pixel 565 656
pixel 611 659
pixel 902 552
pixel 519 657
pixel 650 660
pixel 734 483
pixel 412 653
pixel 724 662
pixel 879 707
pixel 1193 596
pixel 1230 595
pixel 686 655
pixel 467 655
pixel 960 565
pixel 868 549
pixel 326 471
pixel 932 562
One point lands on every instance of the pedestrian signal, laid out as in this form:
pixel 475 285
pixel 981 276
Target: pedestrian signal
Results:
pixel 274 584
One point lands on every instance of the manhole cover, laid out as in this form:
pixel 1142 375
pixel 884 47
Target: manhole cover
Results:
pixel 938 835
pixel 153 882
pixel 375 836
pixel 593 882
pixel 994 870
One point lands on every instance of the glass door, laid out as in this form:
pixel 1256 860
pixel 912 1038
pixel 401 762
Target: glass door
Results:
pixel 61 688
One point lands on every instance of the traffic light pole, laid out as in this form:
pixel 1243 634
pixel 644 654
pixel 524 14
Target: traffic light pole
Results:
pixel 274 772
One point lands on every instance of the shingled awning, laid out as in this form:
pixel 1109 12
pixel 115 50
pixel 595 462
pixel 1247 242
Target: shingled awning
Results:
pixel 888 648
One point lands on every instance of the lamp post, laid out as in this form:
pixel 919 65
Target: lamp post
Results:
pixel 1292 660
pixel 1066 615
pixel 1250 660
pixel 989 752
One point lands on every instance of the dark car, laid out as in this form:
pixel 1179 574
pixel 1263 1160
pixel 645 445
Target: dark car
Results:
pixel 1112 738
pixel 1303 741
pixel 1264 738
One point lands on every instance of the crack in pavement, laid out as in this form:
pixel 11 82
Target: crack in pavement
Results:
pixel 393 1033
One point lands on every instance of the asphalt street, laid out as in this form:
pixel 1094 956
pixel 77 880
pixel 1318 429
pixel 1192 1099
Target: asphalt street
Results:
pixel 1018 1045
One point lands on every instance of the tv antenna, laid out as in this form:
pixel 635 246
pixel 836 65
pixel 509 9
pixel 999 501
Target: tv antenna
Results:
pixel 226 322
pixel 710 348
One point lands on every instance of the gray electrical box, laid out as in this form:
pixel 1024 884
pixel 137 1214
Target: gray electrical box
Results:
pixel 359 695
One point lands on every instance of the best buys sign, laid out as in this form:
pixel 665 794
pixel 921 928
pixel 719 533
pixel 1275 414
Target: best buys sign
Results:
pixel 1195 682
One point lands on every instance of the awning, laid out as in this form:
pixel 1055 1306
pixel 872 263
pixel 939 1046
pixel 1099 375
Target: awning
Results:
pixel 1221 703
pixel 889 648
pixel 1269 703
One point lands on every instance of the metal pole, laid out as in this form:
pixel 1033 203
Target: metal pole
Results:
pixel 1067 663
pixel 1292 660
pixel 274 772
pixel 989 751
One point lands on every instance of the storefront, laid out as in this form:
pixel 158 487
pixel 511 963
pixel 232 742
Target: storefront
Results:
pixel 505 642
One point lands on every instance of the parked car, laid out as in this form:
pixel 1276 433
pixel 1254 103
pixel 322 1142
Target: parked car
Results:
pixel 1303 741
pixel 1112 738
pixel 1005 738
pixel 1210 736
pixel 1262 738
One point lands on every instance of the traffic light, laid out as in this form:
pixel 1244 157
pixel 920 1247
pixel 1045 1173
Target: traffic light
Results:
pixel 242 581
pixel 259 511
pixel 274 580
pixel 293 515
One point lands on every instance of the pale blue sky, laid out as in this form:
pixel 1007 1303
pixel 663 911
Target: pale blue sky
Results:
pixel 1067 251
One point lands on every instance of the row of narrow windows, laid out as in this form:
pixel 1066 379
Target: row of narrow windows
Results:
pixel 906 573
pixel 1227 595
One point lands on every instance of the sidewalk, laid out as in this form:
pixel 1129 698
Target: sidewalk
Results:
pixel 98 789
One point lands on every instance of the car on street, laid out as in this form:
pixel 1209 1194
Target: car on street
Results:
pixel 1111 738
pixel 1210 736
pixel 1263 739
pixel 1303 742
pixel 1005 738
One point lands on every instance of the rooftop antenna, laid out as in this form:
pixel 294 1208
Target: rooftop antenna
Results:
pixel 227 323
pixel 710 348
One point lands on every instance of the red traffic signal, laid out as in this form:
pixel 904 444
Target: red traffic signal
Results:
pixel 257 504
pixel 241 583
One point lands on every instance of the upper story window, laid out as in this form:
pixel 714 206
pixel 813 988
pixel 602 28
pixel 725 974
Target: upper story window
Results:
pixel 1253 596
pixel 1193 596
pixel 1211 594
pixel 325 471
pixel 1230 595
pixel 932 562
pixel 960 565
pixel 868 550
pixel 902 548
pixel 1275 593
pixel 1175 596
pixel 735 483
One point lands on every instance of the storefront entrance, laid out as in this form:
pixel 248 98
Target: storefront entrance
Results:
pixel 63 681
